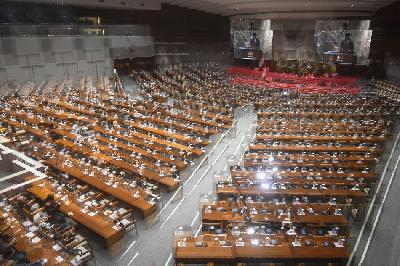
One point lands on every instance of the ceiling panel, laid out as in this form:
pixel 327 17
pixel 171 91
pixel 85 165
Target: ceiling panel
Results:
pixel 285 8
pixel 246 8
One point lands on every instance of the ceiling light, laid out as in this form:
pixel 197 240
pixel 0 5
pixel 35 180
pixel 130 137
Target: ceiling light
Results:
pixel 352 5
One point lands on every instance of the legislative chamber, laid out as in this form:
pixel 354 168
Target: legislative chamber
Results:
pixel 195 133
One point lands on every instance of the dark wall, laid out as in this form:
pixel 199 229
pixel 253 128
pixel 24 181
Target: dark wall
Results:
pixel 31 13
pixel 385 41
pixel 180 34
pixel 169 23
pixel 386 32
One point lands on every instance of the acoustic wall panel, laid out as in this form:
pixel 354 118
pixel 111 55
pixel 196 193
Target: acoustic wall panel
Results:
pixel 10 60
pixel 64 56
pixel 8 46
pixel 63 44
pixel 19 74
pixel 93 43
pixel 47 44
pixel 91 55
pixel 39 72
pixel 55 70
pixel 81 54
pixel 30 45
pixel 78 43
pixel 49 57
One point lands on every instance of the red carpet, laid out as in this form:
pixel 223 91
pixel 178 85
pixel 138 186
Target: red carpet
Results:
pixel 306 84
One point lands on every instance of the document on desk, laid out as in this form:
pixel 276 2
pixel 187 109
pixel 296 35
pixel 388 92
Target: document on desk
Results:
pixel 181 244
pixel 36 240
pixel 239 244
pixel 33 228
pixel 27 223
pixel 116 227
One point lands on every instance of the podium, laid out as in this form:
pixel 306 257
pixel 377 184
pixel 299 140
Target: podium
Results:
pixel 340 58
pixel 250 53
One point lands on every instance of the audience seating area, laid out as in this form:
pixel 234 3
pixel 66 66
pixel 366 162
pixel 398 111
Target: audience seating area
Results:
pixel 304 179
pixel 388 89
pixel 109 160
pixel 106 158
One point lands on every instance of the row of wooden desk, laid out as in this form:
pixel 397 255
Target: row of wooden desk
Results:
pixel 105 154
pixel 302 178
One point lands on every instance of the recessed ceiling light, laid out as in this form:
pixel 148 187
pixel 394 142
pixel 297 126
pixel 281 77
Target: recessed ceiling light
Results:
pixel 352 5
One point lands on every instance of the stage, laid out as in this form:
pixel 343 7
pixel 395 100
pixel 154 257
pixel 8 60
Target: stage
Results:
pixel 305 84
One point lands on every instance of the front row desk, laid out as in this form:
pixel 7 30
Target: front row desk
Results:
pixel 337 57
pixel 245 248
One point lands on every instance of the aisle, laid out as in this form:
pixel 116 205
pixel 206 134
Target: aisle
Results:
pixel 381 239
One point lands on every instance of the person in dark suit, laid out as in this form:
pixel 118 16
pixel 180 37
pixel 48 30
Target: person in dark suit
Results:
pixel 347 45
pixel 255 42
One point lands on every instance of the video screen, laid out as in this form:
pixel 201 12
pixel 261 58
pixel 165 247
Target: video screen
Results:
pixel 251 39
pixel 343 42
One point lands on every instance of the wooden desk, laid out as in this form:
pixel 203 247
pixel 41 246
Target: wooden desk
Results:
pixel 96 223
pixel 118 192
pixel 34 251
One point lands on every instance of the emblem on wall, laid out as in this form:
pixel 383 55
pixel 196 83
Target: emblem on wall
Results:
pixel 132 48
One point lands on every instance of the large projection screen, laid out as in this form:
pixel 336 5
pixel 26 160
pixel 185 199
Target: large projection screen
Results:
pixel 242 32
pixel 331 33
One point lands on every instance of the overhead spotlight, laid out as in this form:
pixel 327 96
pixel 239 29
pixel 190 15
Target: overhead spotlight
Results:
pixel 352 5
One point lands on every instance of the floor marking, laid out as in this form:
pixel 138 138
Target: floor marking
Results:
pixel 192 175
pixel 168 260
pixel 134 257
pixel 126 251
pixel 378 213
pixel 238 147
pixel 194 187
pixel 20 155
pixel 39 175
pixel 241 159
pixel 198 230
pixel 194 219
pixel 13 175
pixel 372 203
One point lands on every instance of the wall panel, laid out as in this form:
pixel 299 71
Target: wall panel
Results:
pixel 58 57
